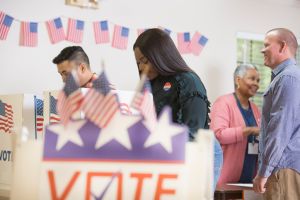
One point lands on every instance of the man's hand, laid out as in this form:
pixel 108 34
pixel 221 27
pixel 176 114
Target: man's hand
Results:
pixel 259 184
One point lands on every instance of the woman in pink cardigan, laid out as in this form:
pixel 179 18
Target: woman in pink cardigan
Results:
pixel 235 121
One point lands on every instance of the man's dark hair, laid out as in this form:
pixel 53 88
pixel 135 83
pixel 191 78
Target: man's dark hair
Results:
pixel 158 47
pixel 72 53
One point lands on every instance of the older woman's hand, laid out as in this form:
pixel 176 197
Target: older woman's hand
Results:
pixel 251 130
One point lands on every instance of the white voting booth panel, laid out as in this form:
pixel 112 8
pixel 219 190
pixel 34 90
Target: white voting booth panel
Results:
pixel 10 123
pixel 17 112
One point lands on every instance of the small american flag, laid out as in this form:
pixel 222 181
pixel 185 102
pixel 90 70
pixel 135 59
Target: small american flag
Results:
pixel 69 99
pixel 184 40
pixel 101 32
pixel 120 37
pixel 39 115
pixel 55 30
pixel 125 109
pixel 6 117
pixel 143 101
pixel 5 23
pixel 100 104
pixel 197 43
pixel 53 117
pixel 28 34
pixel 75 30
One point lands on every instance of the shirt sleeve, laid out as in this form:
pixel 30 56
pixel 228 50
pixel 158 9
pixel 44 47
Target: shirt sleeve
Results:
pixel 279 130
pixel 220 123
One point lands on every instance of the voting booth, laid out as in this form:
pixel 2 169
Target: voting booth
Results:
pixel 125 160
pixel 119 174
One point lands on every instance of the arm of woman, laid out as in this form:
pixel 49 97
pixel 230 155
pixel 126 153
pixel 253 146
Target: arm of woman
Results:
pixel 194 114
pixel 221 121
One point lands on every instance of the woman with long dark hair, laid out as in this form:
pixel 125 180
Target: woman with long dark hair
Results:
pixel 174 84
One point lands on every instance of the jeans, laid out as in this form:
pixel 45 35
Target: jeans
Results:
pixel 218 161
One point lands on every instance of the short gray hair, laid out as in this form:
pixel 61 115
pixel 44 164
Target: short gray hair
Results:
pixel 241 71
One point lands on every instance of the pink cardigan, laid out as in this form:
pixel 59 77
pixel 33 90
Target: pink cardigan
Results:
pixel 227 123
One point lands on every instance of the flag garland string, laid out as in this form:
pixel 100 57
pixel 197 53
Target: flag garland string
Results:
pixel 187 43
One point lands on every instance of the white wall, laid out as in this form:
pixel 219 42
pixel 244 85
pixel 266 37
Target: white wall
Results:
pixel 30 70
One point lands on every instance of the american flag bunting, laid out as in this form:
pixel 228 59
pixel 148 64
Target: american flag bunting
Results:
pixel 184 41
pixel 197 43
pixel 75 30
pixel 101 32
pixel 5 24
pixel 29 34
pixel 120 37
pixel 55 30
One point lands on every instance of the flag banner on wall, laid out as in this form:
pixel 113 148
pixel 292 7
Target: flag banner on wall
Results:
pixel 197 43
pixel 55 30
pixel 53 116
pixel 120 37
pixel 184 40
pixel 100 103
pixel 38 115
pixel 101 32
pixel 5 24
pixel 29 34
pixel 75 30
pixel 6 117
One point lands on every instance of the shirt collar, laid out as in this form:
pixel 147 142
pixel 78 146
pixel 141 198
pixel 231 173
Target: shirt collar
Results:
pixel 283 65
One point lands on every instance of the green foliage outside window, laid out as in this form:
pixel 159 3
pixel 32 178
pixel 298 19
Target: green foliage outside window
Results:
pixel 248 51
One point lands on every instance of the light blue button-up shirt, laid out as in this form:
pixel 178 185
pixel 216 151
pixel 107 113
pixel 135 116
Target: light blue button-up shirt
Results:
pixel 279 144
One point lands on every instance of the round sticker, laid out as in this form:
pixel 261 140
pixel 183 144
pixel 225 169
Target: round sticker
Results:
pixel 167 86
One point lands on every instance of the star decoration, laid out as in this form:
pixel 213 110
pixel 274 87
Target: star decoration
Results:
pixel 68 133
pixel 164 131
pixel 150 125
pixel 117 129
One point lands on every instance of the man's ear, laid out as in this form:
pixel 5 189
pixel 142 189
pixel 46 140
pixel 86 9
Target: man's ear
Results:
pixel 82 67
pixel 283 47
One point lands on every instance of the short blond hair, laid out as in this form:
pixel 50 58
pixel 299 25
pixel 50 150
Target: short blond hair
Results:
pixel 287 36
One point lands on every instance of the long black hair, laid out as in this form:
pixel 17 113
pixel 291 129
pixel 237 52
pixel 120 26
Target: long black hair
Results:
pixel 158 47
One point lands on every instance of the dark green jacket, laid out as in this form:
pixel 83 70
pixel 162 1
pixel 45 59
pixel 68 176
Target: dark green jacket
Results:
pixel 186 95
